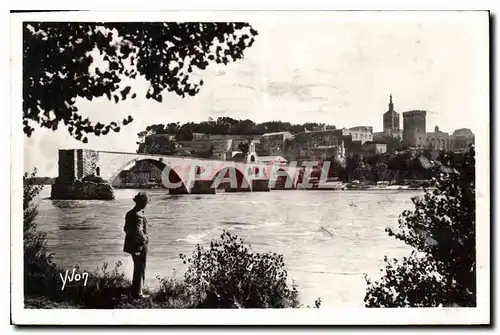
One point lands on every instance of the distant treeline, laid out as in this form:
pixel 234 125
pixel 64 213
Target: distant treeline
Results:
pixel 395 167
pixel 40 180
pixel 228 126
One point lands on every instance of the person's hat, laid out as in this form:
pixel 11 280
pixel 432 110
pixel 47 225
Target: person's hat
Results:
pixel 141 197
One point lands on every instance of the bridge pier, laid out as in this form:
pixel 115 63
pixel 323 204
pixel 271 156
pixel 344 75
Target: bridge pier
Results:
pixel 203 187
pixel 283 187
pixel 238 189
pixel 178 190
pixel 260 185
pixel 78 177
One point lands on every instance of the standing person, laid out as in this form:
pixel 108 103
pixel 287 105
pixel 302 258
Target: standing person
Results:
pixel 136 241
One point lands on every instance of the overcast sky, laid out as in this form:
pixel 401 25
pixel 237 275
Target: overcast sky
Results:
pixel 335 72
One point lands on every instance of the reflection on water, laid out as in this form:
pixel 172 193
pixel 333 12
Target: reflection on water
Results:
pixel 328 239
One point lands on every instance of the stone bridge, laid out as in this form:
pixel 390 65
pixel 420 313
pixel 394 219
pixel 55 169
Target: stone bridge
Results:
pixel 181 175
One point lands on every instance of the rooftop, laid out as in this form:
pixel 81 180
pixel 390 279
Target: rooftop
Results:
pixel 394 113
pixel 363 128
pixel 463 132
pixel 415 112
pixel 309 134
pixel 277 133
pixel 272 158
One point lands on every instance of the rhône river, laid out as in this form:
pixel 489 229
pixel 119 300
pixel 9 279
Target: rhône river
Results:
pixel 328 238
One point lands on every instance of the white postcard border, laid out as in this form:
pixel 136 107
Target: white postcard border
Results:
pixel 324 316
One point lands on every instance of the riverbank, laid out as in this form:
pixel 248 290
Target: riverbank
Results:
pixel 111 292
pixel 339 186
pixel 390 188
pixel 42 302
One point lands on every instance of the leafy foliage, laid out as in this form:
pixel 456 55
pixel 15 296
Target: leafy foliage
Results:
pixel 230 126
pixel 397 167
pixel 441 229
pixel 229 275
pixel 184 134
pixel 157 145
pixel 38 262
pixel 244 147
pixel 30 190
pixel 59 65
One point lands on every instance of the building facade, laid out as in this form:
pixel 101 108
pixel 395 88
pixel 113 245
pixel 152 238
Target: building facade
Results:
pixel 373 148
pixel 222 148
pixel 462 139
pixel 414 134
pixel 272 160
pixel 315 145
pixel 215 146
pixel 395 134
pixel 361 133
pixel 274 144
pixel 438 140
pixel 201 137
pixel 141 174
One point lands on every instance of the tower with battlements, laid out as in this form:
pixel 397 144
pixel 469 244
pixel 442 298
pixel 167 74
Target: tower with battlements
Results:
pixel 414 133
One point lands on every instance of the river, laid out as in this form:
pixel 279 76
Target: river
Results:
pixel 328 238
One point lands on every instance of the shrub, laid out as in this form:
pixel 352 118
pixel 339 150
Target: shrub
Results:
pixel 39 268
pixel 442 269
pixel 229 275
pixel 174 293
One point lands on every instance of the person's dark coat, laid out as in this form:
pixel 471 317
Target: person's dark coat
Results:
pixel 136 236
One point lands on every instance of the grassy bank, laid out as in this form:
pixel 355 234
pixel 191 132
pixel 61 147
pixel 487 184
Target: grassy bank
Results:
pixel 104 290
pixel 226 275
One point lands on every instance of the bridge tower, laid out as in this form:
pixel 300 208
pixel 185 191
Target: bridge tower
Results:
pixel 77 163
pixel 74 166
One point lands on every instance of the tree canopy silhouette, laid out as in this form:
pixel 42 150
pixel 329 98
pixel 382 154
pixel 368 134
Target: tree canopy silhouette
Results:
pixel 441 270
pixel 229 126
pixel 59 65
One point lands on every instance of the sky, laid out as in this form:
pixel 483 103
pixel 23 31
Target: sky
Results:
pixel 339 72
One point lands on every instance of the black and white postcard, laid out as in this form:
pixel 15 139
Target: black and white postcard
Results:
pixel 287 167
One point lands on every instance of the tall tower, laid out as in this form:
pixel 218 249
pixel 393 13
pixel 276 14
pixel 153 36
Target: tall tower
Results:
pixel 391 119
pixel 414 132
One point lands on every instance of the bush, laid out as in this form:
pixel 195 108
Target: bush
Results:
pixel 173 293
pixel 229 275
pixel 442 269
pixel 39 268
